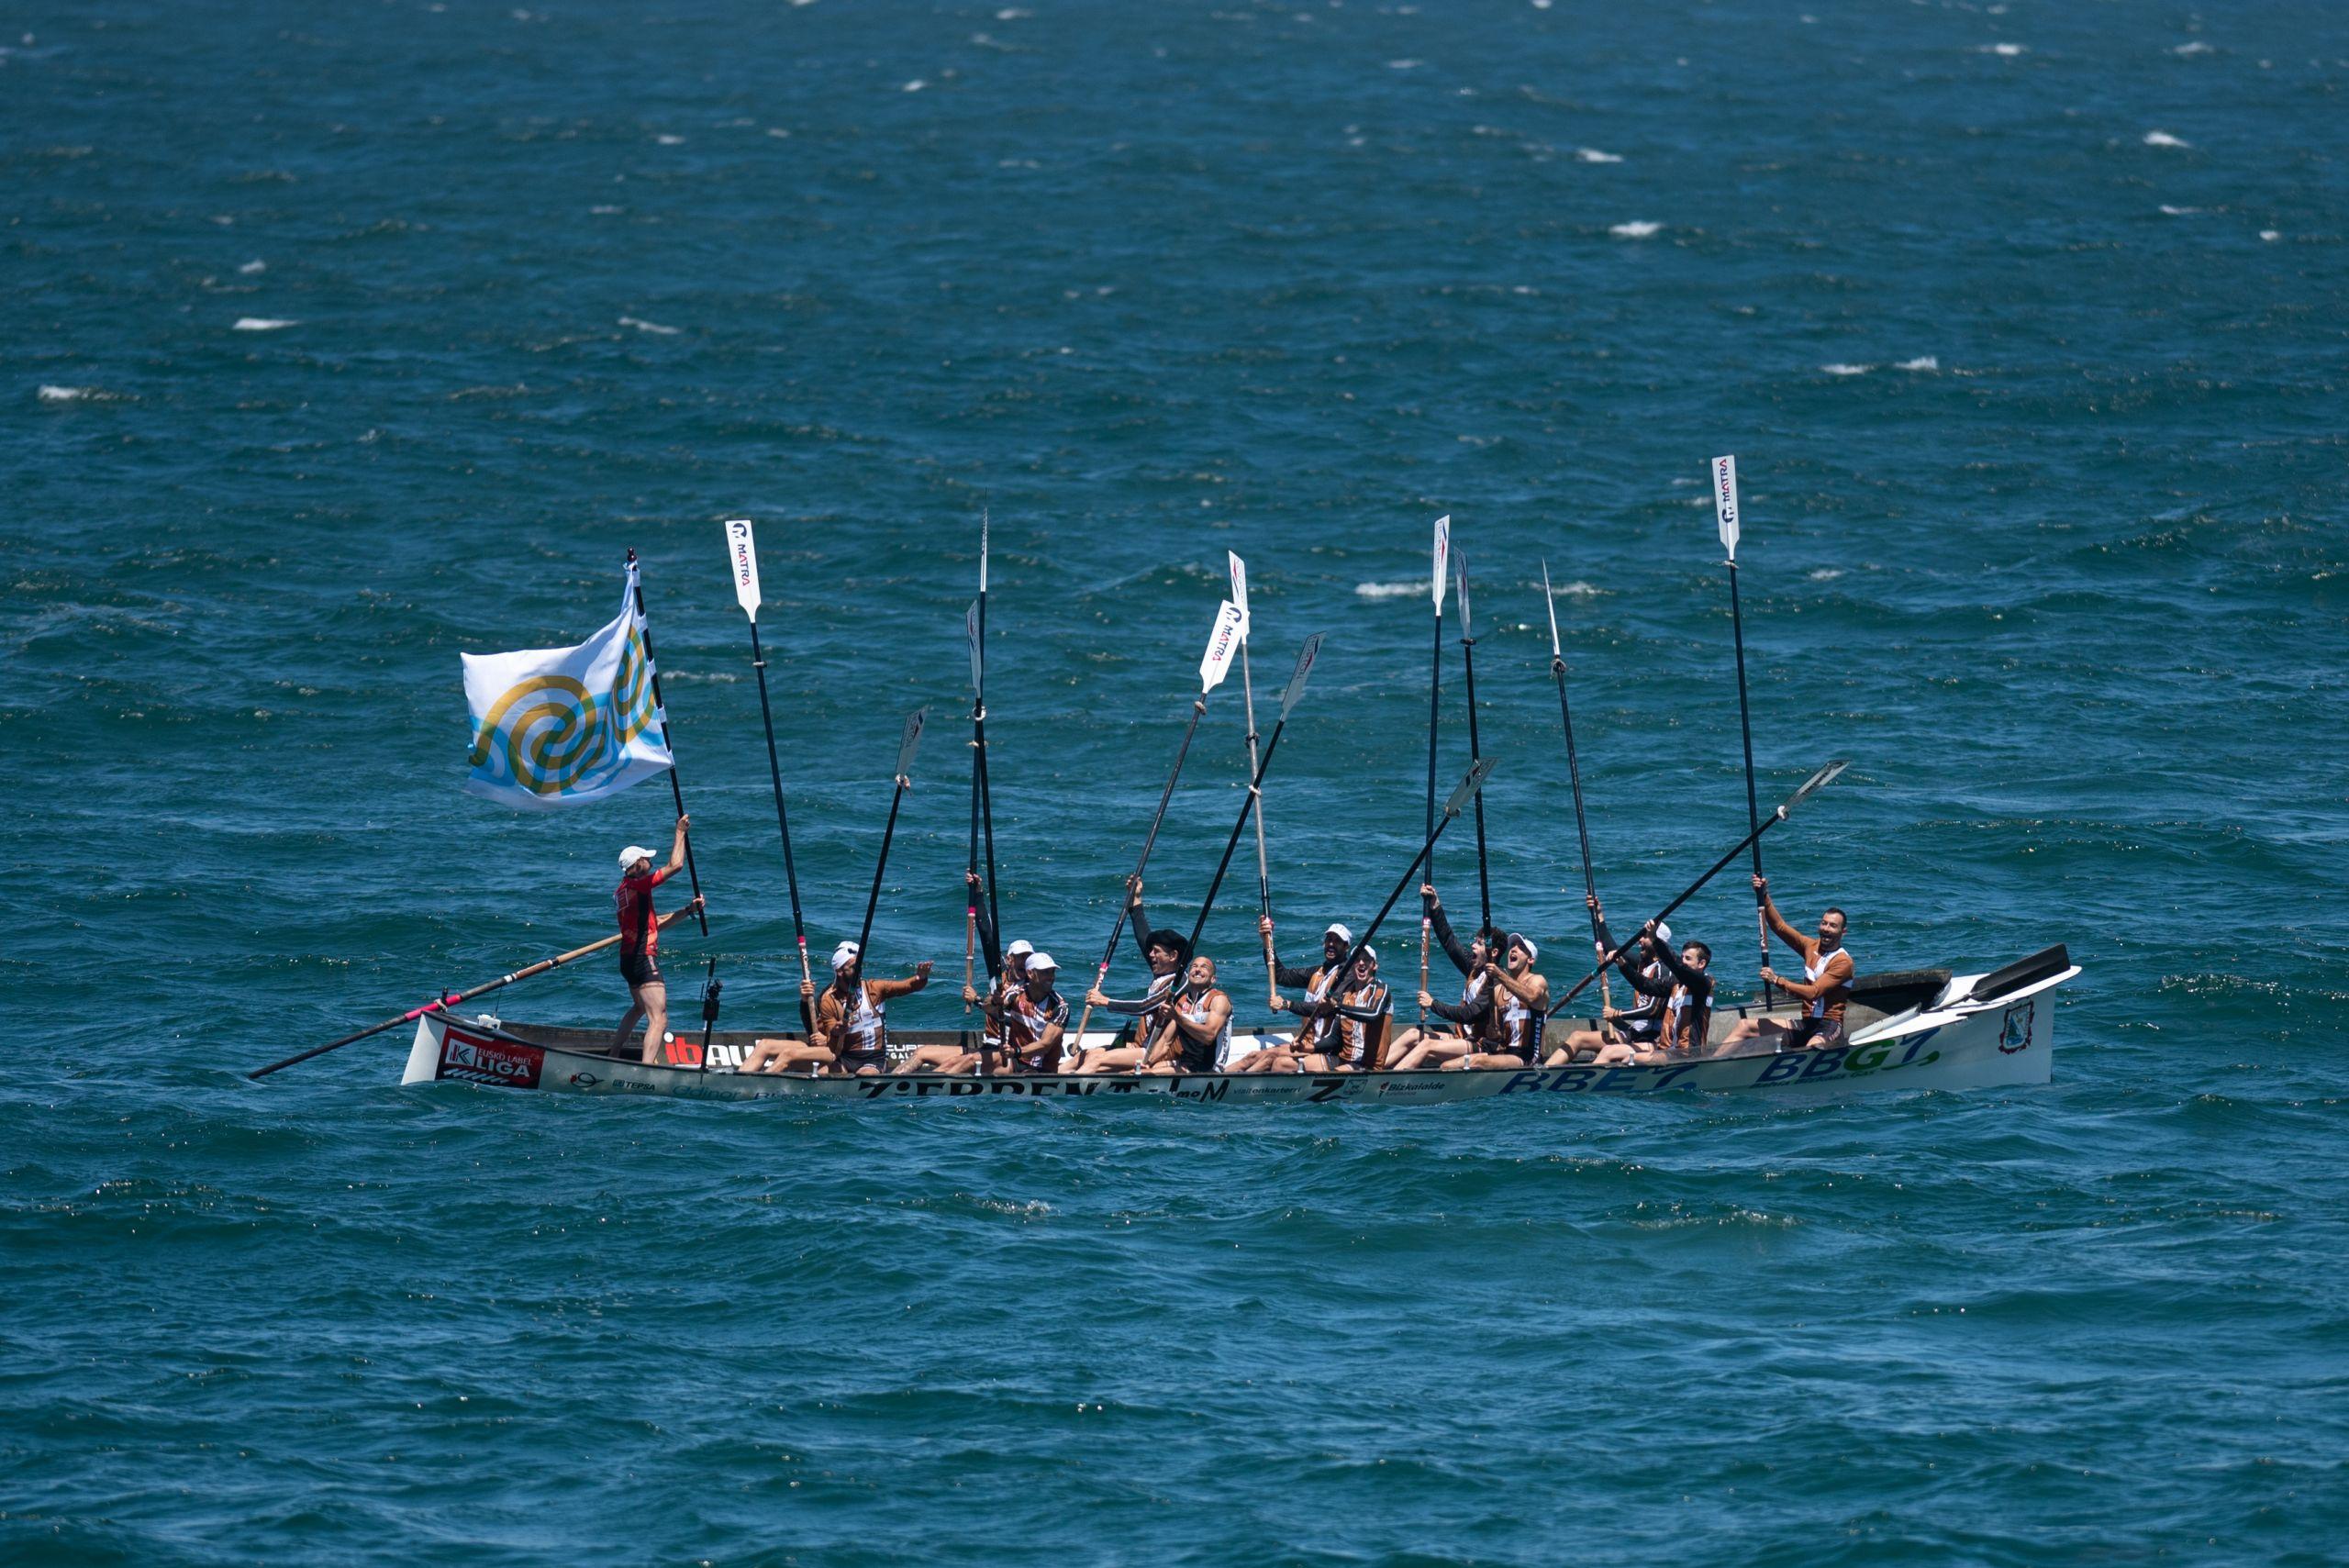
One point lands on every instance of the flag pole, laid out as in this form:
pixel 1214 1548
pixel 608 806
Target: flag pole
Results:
pixel 1725 508
pixel 742 553
pixel 676 791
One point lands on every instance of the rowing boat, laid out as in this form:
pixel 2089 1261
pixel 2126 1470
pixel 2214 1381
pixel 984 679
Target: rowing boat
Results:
pixel 1917 1029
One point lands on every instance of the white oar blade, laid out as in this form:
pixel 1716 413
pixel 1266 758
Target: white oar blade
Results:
pixel 1460 587
pixel 1240 590
pixel 1442 557
pixel 1725 501
pixel 1813 784
pixel 1222 644
pixel 911 741
pixel 1296 677
pixel 742 554
pixel 983 550
pixel 1469 786
pixel 1550 603
pixel 978 657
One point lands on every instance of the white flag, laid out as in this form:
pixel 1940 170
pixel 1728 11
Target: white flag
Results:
pixel 555 726
pixel 1222 644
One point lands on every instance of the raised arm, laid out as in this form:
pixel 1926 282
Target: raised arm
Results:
pixel 677 849
pixel 990 943
pixel 1137 919
pixel 1787 933
pixel 1530 987
pixel 890 990
pixel 673 915
pixel 1837 972
pixel 1451 947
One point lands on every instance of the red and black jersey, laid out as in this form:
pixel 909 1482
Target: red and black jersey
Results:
pixel 639 925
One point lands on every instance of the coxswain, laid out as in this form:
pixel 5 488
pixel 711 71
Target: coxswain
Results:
pixel 1197 1026
pixel 1316 1012
pixel 640 941
pixel 1824 988
pixel 1521 1005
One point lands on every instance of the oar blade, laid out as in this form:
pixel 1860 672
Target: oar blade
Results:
pixel 1443 558
pixel 911 741
pixel 1725 502
pixel 978 656
pixel 1240 590
pixel 983 552
pixel 1305 658
pixel 1222 644
pixel 742 554
pixel 1550 603
pixel 1460 589
pixel 1813 784
pixel 1469 786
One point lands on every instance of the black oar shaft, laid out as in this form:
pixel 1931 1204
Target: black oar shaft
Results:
pixel 1753 801
pixel 676 790
pixel 1118 927
pixel 1484 877
pixel 782 823
pixel 1248 808
pixel 1665 913
pixel 880 866
pixel 456 1001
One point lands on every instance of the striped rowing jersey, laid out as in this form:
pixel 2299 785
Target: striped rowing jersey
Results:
pixel 1027 1020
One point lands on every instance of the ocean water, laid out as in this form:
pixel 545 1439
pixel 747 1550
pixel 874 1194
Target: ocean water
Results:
pixel 342 340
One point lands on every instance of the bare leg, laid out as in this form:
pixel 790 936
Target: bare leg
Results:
pixel 938 1059
pixel 628 1021
pixel 1121 1058
pixel 765 1052
pixel 655 999
pixel 1439 1048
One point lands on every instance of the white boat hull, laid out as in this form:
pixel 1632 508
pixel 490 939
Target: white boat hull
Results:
pixel 1963 1044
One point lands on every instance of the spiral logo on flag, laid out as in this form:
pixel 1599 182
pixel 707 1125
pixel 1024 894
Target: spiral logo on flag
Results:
pixel 553 726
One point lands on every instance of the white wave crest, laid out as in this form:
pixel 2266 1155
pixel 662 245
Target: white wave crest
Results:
pixel 652 326
pixel 2271 235
pixel 1826 574
pixel 2007 49
pixel 71 394
pixel 1592 155
pixel 1845 369
pixel 2169 211
pixel 1921 363
pixel 1388 590
pixel 2196 47
pixel 262 324
pixel 1639 230
pixel 1576 589
pixel 2163 138
pixel 249 268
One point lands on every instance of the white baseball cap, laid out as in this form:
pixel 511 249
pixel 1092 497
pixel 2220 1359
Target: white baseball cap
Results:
pixel 844 955
pixel 1337 928
pixel 1019 949
pixel 1042 963
pixel 633 854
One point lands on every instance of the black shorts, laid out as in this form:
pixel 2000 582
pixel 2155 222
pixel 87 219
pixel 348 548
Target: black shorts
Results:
pixel 1813 1034
pixel 852 1061
pixel 640 968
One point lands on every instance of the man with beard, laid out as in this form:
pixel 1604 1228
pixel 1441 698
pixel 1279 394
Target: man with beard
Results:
pixel 1197 1025
pixel 1521 1004
pixel 1316 1014
pixel 1824 988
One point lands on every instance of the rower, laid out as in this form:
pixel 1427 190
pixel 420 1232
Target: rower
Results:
pixel 1689 1010
pixel 1165 952
pixel 1625 1033
pixel 640 941
pixel 1521 1004
pixel 851 1034
pixel 1197 1029
pixel 1032 1017
pixel 1478 1025
pixel 1824 988
pixel 1002 967
pixel 1360 1016
pixel 1315 1012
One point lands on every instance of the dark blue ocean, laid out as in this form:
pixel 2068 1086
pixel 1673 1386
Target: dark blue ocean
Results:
pixel 344 339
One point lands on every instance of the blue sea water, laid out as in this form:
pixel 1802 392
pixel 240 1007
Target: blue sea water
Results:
pixel 342 340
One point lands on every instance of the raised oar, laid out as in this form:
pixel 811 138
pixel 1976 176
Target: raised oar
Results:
pixel 676 790
pixel 979 735
pixel 1810 785
pixel 1222 644
pixel 1255 774
pixel 742 554
pixel 459 1000
pixel 1471 783
pixel 978 767
pixel 907 743
pixel 1725 509
pixel 1253 803
pixel 1574 768
pixel 1468 669
pixel 1435 686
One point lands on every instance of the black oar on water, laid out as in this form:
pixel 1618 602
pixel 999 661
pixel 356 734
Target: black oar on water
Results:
pixel 907 743
pixel 1222 644
pixel 445 1003
pixel 1256 790
pixel 743 557
pixel 1810 785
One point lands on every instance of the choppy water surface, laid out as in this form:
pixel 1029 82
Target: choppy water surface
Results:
pixel 341 341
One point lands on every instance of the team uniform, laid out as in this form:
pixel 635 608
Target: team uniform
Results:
pixel 1025 1022
pixel 639 927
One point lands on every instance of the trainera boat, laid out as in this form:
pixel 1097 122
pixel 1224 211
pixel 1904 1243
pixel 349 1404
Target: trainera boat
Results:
pixel 1914 1029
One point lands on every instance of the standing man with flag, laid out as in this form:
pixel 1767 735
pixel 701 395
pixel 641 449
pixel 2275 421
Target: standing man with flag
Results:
pixel 640 942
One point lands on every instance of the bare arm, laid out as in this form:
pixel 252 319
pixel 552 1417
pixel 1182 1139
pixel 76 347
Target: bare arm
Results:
pixel 1837 972
pixel 677 849
pixel 1787 933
